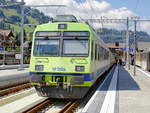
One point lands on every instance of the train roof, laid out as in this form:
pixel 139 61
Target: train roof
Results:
pixel 70 26
pixel 65 18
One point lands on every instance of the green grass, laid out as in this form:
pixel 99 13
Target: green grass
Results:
pixel 28 30
pixel 16 26
pixel 32 20
pixel 9 12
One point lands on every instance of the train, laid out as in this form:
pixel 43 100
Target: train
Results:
pixel 67 58
pixel 143 60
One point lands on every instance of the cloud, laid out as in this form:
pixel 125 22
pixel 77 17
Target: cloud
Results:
pixel 87 9
pixel 99 8
pixel 145 26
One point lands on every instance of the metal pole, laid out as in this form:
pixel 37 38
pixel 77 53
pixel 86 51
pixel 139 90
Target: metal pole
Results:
pixel 102 25
pixel 127 46
pixel 22 33
pixel 135 47
pixel 4 51
pixel 46 5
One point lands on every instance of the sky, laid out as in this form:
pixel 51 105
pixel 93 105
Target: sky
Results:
pixel 141 7
pixel 100 9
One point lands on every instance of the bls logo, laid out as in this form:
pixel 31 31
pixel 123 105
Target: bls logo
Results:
pixel 58 69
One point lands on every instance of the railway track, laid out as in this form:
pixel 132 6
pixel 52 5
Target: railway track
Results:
pixel 62 106
pixel 36 104
pixel 39 106
pixel 12 88
pixel 70 107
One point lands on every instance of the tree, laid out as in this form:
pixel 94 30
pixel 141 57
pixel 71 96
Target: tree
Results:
pixel 17 42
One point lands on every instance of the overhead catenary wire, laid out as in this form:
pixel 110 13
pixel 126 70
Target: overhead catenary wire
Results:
pixel 58 8
pixel 81 3
pixel 91 7
pixel 73 7
pixel 92 10
pixel 136 5
pixel 84 6
pixel 91 3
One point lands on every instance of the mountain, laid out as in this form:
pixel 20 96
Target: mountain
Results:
pixel 113 35
pixel 10 18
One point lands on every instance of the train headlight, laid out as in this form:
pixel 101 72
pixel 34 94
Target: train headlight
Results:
pixel 80 68
pixel 39 67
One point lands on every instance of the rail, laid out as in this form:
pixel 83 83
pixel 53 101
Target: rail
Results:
pixel 9 89
pixel 39 106
pixel 70 107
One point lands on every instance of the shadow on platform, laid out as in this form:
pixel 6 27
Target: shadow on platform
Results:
pixel 125 81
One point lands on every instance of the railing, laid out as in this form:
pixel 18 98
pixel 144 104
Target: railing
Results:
pixel 4 67
pixel 10 62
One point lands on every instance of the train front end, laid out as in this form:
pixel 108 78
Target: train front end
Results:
pixel 60 62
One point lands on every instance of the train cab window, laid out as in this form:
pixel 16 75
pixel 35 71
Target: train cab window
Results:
pixel 48 47
pixel 75 47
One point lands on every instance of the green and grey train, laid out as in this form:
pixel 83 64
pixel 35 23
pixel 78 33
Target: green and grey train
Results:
pixel 67 58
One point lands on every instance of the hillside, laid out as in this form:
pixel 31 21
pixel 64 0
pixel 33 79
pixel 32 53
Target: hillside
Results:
pixel 113 35
pixel 10 18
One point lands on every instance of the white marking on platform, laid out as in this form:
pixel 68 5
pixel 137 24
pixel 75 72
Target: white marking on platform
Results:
pixel 109 102
pixel 144 72
pixel 93 97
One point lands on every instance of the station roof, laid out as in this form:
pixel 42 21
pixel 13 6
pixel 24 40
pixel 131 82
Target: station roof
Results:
pixel 114 46
pixel 8 33
pixel 141 46
pixel 144 46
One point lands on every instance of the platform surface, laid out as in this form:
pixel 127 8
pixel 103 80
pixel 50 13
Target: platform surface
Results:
pixel 13 75
pixel 121 92
pixel 5 67
pixel 22 104
pixel 134 92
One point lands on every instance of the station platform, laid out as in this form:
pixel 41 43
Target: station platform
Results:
pixel 5 67
pixel 122 92
pixel 13 75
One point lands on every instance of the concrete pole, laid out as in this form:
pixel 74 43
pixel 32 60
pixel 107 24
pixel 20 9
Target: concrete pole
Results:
pixel 4 49
pixel 127 46
pixel 101 24
pixel 135 22
pixel 22 34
